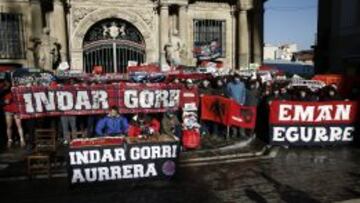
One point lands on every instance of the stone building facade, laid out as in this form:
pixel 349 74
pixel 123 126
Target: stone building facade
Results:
pixel 112 32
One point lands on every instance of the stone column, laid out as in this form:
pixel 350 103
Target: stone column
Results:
pixel 164 31
pixel 258 33
pixel 183 30
pixel 244 45
pixel 59 26
pixel 36 18
pixel 233 13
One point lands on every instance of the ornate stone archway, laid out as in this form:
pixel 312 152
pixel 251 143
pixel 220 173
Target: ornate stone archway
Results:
pixel 77 36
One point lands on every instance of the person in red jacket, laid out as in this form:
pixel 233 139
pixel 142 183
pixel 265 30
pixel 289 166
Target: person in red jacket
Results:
pixel 11 111
pixel 141 125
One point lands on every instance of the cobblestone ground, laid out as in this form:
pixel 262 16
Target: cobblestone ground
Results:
pixel 295 175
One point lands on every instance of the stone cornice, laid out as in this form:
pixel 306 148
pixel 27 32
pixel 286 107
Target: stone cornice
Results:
pixel 174 2
pixel 244 5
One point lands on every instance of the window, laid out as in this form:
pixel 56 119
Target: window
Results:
pixel 209 36
pixel 11 36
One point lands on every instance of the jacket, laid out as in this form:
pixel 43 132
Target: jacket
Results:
pixel 219 91
pixel 236 91
pixel 252 97
pixel 168 125
pixel 11 106
pixel 112 126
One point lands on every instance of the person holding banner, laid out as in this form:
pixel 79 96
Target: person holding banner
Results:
pixel 303 94
pixel 205 89
pixel 11 111
pixel 284 94
pixel 236 90
pixel 252 100
pixel 112 124
pixel 219 88
pixel 330 93
pixel 170 124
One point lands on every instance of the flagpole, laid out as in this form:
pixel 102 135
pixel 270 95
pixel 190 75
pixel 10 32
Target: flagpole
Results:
pixel 227 132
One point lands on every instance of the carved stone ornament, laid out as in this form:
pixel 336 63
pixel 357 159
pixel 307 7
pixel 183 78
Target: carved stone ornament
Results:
pixel 115 29
pixel 80 13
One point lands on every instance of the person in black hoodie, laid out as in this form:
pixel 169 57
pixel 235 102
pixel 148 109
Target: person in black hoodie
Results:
pixel 284 94
pixel 330 93
pixel 205 88
pixel 219 87
pixel 302 94
pixel 218 90
pixel 252 94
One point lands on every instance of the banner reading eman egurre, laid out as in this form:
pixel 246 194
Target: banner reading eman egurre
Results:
pixel 312 123
pixel 41 101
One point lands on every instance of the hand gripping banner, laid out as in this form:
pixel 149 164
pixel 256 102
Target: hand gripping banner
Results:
pixel 312 123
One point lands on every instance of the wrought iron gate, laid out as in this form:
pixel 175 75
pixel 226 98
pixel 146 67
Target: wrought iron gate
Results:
pixel 112 55
pixel 111 43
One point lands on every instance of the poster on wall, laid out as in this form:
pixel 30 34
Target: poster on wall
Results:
pixel 312 123
pixel 39 101
pixel 122 162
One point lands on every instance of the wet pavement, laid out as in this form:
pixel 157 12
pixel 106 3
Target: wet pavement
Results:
pixel 295 175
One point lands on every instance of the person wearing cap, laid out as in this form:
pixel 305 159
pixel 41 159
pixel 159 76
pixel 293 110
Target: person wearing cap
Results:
pixel 170 124
pixel 112 124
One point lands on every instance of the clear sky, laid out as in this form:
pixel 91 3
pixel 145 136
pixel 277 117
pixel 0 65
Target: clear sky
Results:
pixel 291 21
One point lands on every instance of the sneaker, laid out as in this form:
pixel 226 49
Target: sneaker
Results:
pixel 9 143
pixel 22 143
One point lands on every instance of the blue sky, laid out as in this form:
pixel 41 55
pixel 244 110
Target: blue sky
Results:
pixel 291 21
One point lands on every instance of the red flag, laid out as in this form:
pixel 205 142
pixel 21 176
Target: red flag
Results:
pixel 242 116
pixel 228 112
pixel 215 108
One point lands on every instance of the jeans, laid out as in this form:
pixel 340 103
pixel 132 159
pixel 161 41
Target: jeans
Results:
pixel 237 132
pixel 91 123
pixel 66 122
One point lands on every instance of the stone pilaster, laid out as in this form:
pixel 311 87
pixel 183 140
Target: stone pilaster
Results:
pixel 59 26
pixel 244 36
pixel 164 31
pixel 183 30
pixel 36 18
pixel 258 33
pixel 233 13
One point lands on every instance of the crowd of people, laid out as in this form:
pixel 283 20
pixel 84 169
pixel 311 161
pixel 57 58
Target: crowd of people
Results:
pixel 244 90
